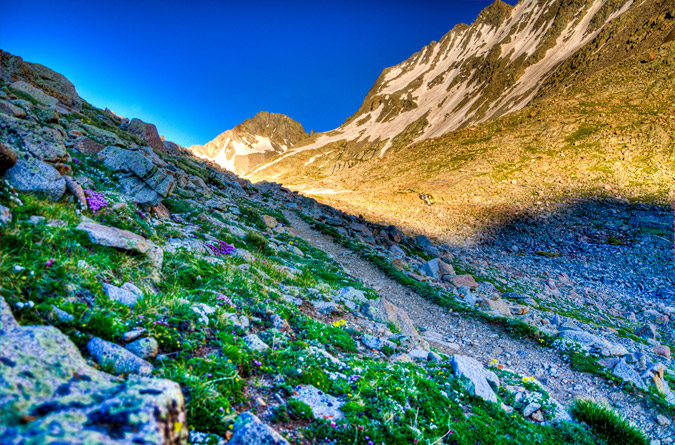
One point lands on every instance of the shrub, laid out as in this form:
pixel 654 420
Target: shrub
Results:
pixel 608 424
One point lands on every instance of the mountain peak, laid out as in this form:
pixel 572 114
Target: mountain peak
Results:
pixel 495 14
pixel 252 142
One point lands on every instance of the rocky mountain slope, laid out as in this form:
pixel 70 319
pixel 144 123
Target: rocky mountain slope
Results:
pixel 575 72
pixel 251 143
pixel 149 296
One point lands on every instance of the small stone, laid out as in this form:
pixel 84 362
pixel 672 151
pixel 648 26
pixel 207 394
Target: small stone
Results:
pixel 144 347
pixel 60 315
pixel 5 216
pixel 254 342
pixel 133 335
pixel 270 221
pixel 662 350
pixel 377 343
pixel 324 406
pixel 663 420
pixel 464 280
pixel 279 323
pixel 530 409
pixel 325 307
pixel 116 357
pixel 419 354
pixel 120 295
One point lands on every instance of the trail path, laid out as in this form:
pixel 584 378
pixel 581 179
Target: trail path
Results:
pixel 484 341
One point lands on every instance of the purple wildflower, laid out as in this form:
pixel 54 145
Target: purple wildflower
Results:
pixel 95 200
pixel 220 248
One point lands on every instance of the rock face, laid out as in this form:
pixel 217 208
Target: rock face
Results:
pixel 476 377
pixel 110 355
pixel 38 177
pixel 148 132
pixel 41 142
pixel 140 176
pixel 252 142
pixel 13 69
pixel 122 239
pixel 45 379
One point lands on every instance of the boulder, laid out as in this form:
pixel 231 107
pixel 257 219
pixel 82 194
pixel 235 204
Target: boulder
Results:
pixel 248 430
pixel 475 377
pixel 38 177
pixel 270 221
pixel 325 307
pixel 647 331
pixel 12 110
pixel 36 93
pixel 464 280
pixel 497 305
pixel 594 342
pixel 147 132
pixel 377 343
pixel 112 356
pixel 87 146
pixel 323 406
pixel 385 312
pixel 46 381
pixel 628 374
pixel 438 269
pixel 351 294
pixel 122 239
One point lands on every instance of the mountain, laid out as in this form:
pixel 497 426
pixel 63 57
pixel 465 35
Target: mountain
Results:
pixel 537 102
pixel 252 142
pixel 476 73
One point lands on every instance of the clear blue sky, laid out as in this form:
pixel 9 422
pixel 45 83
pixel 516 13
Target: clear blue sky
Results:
pixel 198 68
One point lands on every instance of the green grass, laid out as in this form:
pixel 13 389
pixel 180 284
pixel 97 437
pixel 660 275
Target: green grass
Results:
pixel 607 424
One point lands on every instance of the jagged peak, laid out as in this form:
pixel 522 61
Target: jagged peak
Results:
pixel 495 14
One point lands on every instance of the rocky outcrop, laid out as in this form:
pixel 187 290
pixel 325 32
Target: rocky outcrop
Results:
pixel 27 137
pixel 48 394
pixel 147 132
pixel 477 379
pixel 141 175
pixel 14 69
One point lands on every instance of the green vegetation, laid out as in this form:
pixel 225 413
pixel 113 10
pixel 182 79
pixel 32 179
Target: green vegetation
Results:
pixel 607 424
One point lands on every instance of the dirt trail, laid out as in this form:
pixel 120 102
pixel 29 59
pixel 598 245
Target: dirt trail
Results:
pixel 451 333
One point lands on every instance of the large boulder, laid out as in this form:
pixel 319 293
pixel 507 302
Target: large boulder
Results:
pixel 87 146
pixel 13 69
pixel 49 394
pixel 476 378
pixel 383 311
pixel 35 176
pixel 122 239
pixel 438 269
pixel 323 406
pixel 148 132
pixel 594 343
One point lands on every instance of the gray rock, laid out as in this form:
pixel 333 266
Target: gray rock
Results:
pixel 255 343
pixel 122 239
pixel 291 299
pixel 244 255
pixel 133 335
pixel 279 323
pixel 240 321
pixel 61 316
pixel 377 343
pixel 237 232
pixel 351 294
pixel 87 146
pixel 324 406
pixel 147 132
pixel 8 158
pixel 5 216
pixel 120 295
pixel 35 93
pixel 325 307
pixel 144 348
pixel 48 375
pixel 12 110
pixel 36 176
pixel 419 354
pixel 76 190
pixel 628 374
pixel 530 409
pixel 41 142
pixel 437 269
pixel 385 312
pixel 594 342
pixel 249 430
pixel 647 331
pixel 115 357
pixel 475 376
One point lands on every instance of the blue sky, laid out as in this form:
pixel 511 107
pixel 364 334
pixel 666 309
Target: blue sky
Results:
pixel 198 68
